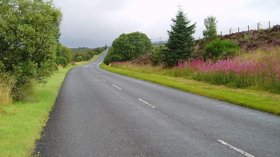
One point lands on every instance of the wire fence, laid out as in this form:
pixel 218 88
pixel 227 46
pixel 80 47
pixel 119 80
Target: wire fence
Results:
pixel 252 27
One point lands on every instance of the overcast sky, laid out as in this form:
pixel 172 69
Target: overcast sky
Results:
pixel 94 23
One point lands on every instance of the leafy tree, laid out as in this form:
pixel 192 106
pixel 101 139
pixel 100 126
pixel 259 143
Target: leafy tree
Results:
pixel 180 43
pixel 128 47
pixel 210 33
pixel 29 31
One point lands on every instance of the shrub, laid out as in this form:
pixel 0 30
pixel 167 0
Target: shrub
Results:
pixel 220 49
pixel 111 57
pixel 78 58
pixel 64 55
pixel 61 61
pixel 128 47
pixel 156 56
pixel 99 50
pixel 91 53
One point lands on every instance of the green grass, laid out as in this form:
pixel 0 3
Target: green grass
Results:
pixel 259 100
pixel 22 122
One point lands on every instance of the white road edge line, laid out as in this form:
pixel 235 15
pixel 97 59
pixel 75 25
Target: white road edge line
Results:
pixel 235 148
pixel 117 87
pixel 152 106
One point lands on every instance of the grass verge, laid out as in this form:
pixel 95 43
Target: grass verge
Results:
pixel 259 100
pixel 22 122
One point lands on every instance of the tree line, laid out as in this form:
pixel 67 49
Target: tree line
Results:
pixel 180 47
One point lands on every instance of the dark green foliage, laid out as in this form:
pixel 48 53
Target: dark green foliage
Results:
pixel 91 53
pixel 180 43
pixel 64 55
pixel 220 49
pixel 210 23
pixel 128 47
pixel 78 57
pixel 157 56
pixel 112 57
pixel 99 50
pixel 29 31
pixel 61 61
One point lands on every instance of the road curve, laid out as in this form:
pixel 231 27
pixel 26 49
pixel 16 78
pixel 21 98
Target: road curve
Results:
pixel 102 114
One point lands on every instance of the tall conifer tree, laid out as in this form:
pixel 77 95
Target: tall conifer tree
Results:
pixel 180 43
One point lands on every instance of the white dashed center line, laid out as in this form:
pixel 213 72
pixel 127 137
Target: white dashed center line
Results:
pixel 119 88
pixel 145 102
pixel 235 148
pixel 104 80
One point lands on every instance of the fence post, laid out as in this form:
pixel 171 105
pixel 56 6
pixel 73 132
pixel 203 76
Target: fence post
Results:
pixel 248 28
pixel 229 31
pixel 238 29
pixel 269 24
pixel 221 33
pixel 258 26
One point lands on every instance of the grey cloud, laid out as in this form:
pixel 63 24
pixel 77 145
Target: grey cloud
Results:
pixel 111 5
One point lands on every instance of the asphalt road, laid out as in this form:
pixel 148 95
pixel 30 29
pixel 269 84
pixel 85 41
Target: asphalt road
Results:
pixel 101 114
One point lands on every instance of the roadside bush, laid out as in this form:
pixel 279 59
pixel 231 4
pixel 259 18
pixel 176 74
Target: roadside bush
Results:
pixel 91 53
pixel 99 50
pixel 61 61
pixel 128 47
pixel 64 55
pixel 111 57
pixel 79 57
pixel 156 56
pixel 220 49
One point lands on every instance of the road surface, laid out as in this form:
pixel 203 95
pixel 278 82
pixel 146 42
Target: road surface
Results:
pixel 101 114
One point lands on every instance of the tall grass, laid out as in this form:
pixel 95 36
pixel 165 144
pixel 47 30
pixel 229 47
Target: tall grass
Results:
pixel 6 86
pixel 259 69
